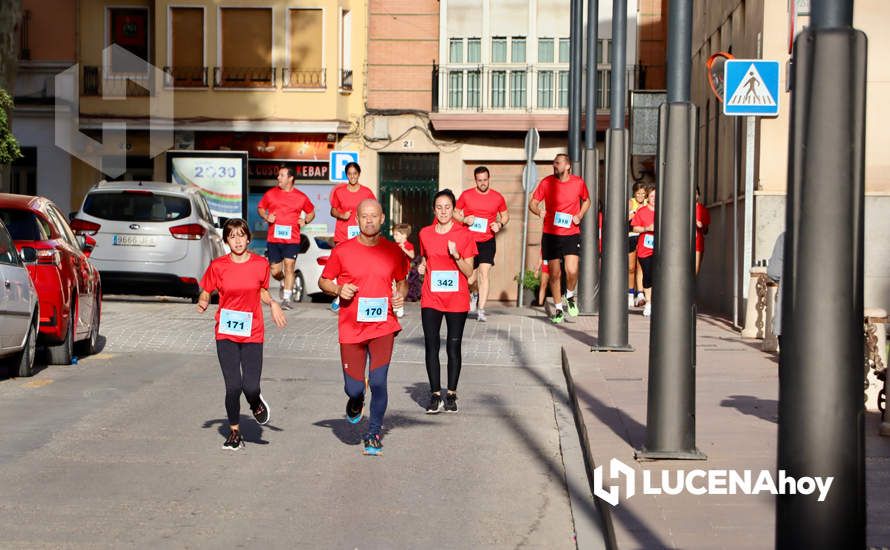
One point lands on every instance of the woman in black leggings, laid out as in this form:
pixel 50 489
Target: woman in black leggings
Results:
pixel 447 249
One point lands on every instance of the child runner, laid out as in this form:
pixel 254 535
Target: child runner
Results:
pixel 242 279
pixel 634 274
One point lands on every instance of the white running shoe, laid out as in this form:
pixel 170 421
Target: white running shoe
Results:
pixel 474 300
pixel 630 300
pixel 640 299
pixel 647 311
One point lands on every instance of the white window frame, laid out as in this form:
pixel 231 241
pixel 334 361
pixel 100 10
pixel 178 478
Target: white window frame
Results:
pixel 219 59
pixel 345 53
pixel 107 74
pixel 169 59
pixel 324 43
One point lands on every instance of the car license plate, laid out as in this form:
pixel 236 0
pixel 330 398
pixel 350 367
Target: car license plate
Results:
pixel 133 240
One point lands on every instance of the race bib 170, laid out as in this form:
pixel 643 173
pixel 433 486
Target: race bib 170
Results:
pixel 372 310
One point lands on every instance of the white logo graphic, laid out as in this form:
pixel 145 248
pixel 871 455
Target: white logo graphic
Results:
pixel 705 482
pixel 121 69
pixel 752 90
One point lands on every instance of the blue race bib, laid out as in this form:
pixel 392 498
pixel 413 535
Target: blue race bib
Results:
pixel 282 231
pixel 352 231
pixel 649 240
pixel 561 219
pixel 372 310
pixel 235 323
pixel 480 225
pixel 444 281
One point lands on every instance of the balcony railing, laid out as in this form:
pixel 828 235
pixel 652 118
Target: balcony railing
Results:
pixel 186 77
pixel 244 77
pixel 302 78
pixel 514 87
pixel 96 82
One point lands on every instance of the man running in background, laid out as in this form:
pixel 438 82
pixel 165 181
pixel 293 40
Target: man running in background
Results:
pixel 283 208
pixel 484 211
pixel 565 201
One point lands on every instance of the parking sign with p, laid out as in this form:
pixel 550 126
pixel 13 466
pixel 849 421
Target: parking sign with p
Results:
pixel 339 160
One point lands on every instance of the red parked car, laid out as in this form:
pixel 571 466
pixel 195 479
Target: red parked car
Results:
pixel 68 285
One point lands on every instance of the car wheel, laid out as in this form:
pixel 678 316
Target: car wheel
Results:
pixel 61 354
pixel 300 288
pixel 25 366
pixel 91 345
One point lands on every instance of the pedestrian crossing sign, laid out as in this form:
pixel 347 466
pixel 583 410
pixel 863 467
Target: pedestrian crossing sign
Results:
pixel 751 87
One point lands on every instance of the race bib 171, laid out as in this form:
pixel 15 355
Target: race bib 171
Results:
pixel 235 323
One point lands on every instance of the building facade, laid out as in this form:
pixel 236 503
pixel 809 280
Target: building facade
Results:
pixel 759 29
pixel 47 46
pixel 455 84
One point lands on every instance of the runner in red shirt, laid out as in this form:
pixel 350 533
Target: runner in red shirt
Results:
pixel 242 279
pixel 370 280
pixel 702 221
pixel 345 199
pixel 484 211
pixel 643 223
pixel 283 207
pixel 566 200
pixel 447 249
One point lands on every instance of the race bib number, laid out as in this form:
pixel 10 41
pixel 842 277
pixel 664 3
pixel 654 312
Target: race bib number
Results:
pixel 235 323
pixel 444 281
pixel 480 225
pixel 352 231
pixel 372 310
pixel 649 240
pixel 561 219
pixel 282 231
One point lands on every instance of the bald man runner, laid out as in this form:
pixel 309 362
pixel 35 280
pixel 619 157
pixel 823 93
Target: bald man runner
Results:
pixel 370 274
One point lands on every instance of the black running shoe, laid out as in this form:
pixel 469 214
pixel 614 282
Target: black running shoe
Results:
pixel 234 441
pixel 286 305
pixel 261 413
pixel 435 406
pixel 451 402
pixel 371 445
pixel 354 408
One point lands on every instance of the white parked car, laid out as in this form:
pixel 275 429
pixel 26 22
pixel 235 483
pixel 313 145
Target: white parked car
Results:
pixel 19 310
pixel 152 238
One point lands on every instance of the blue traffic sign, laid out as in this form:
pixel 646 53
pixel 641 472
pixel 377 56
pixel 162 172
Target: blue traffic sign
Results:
pixel 339 160
pixel 751 87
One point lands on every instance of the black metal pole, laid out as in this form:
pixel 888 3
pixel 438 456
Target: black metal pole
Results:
pixel 612 326
pixel 588 296
pixel 575 40
pixel 670 421
pixel 821 417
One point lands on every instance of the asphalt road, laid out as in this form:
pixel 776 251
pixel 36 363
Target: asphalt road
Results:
pixel 123 449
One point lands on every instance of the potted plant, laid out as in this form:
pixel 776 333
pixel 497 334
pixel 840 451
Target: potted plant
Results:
pixel 531 282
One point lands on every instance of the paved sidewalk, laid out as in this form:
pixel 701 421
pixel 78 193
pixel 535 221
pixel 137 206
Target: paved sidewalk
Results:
pixel 736 426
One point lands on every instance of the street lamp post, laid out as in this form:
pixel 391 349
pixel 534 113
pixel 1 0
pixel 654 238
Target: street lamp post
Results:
pixel 670 419
pixel 821 422
pixel 588 296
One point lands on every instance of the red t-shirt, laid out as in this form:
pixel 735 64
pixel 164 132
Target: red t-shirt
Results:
pixel 372 269
pixel 239 287
pixel 287 207
pixel 482 205
pixel 345 200
pixel 562 197
pixel 451 292
pixel 644 217
pixel 701 215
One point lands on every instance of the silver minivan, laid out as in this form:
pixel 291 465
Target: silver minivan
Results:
pixel 18 307
pixel 152 238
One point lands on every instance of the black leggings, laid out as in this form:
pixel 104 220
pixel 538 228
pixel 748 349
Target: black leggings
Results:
pixel 454 323
pixel 233 359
